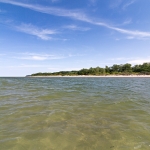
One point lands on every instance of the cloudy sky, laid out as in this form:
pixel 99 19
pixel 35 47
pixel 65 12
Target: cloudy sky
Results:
pixel 55 35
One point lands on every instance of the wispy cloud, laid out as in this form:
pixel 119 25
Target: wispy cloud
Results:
pixel 135 34
pixel 128 21
pixel 121 3
pixel 74 27
pixel 24 66
pixel 93 2
pixel 135 37
pixel 33 30
pixel 139 61
pixel 39 57
pixel 76 14
pixel 128 4
pixel 32 66
pixel 54 1
pixel 131 60
pixel 119 59
pixel 115 3
pixel 34 57
pixel 73 14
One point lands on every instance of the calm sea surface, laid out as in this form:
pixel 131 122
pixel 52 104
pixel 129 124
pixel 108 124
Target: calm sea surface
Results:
pixel 74 113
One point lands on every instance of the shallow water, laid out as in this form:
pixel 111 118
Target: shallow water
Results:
pixel 74 113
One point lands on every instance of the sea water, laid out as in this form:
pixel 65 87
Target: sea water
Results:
pixel 63 113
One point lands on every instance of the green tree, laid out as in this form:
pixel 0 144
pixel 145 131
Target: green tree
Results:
pixel 127 68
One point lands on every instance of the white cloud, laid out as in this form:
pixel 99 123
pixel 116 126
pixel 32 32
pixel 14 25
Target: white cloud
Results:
pixel 131 60
pixel 74 27
pixel 73 14
pixel 128 4
pixel 139 61
pixel 135 37
pixel 76 14
pixel 23 66
pixel 30 29
pixel 38 57
pixel 35 58
pixel 32 66
pixel 93 2
pixel 134 34
pixel 128 21
pixel 121 3
pixel 115 3
pixel 54 1
pixel 119 59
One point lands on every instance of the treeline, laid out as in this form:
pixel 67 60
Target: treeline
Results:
pixel 123 69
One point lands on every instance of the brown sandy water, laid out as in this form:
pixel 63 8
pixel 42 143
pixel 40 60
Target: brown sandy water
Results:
pixel 74 113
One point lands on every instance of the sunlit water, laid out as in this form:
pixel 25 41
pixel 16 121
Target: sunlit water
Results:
pixel 74 113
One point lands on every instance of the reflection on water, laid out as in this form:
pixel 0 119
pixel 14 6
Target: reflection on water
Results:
pixel 74 113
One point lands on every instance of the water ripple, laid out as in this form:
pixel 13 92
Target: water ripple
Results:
pixel 74 113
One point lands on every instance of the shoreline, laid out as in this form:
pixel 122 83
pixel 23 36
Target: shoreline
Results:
pixel 92 76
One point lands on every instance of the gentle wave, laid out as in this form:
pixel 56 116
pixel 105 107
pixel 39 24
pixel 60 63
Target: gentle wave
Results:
pixel 74 113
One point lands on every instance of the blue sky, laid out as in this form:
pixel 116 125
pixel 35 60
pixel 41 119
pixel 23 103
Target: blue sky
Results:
pixel 55 35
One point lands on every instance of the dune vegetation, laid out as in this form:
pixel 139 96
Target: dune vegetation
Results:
pixel 123 69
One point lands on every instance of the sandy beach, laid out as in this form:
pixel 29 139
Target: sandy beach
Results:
pixel 105 76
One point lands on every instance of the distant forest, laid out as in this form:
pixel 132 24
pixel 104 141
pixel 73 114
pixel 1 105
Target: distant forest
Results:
pixel 123 69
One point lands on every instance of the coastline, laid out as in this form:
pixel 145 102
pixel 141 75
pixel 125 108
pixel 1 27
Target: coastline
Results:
pixel 92 76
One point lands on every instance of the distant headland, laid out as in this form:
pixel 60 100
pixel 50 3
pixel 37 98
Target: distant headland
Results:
pixel 113 71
